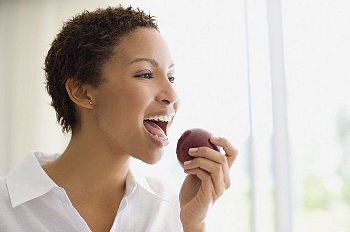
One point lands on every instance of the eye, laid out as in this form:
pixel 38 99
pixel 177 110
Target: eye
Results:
pixel 171 79
pixel 145 75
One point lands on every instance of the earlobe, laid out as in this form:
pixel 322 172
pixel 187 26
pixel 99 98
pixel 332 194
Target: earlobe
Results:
pixel 78 93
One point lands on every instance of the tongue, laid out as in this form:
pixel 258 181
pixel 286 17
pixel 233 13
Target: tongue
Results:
pixel 154 129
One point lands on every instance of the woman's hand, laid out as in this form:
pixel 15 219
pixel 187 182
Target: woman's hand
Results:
pixel 207 180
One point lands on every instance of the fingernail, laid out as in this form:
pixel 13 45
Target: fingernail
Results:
pixel 187 162
pixel 191 150
pixel 215 138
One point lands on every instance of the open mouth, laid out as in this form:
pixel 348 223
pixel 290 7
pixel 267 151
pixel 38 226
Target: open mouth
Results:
pixel 157 125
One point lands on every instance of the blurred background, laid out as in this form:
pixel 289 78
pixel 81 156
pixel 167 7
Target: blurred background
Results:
pixel 270 75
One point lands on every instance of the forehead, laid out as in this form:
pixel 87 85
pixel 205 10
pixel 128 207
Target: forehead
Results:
pixel 143 43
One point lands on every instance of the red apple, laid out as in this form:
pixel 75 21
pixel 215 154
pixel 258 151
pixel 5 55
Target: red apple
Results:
pixel 193 138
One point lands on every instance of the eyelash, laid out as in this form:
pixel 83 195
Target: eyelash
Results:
pixel 145 75
pixel 150 76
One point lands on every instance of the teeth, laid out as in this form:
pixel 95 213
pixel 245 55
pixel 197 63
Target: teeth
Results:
pixel 163 118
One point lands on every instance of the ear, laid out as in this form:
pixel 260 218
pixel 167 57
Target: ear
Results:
pixel 79 93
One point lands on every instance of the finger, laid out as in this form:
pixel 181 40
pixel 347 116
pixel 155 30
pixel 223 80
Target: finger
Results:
pixel 230 151
pixel 207 185
pixel 214 156
pixel 214 169
pixel 208 153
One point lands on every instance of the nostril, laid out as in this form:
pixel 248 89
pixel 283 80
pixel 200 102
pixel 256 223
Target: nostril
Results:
pixel 167 98
pixel 166 101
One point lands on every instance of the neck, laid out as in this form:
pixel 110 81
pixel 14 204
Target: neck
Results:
pixel 88 165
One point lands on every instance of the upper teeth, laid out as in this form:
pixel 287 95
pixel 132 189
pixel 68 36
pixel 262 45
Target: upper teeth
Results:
pixel 163 118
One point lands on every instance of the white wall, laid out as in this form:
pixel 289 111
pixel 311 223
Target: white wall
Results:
pixel 27 119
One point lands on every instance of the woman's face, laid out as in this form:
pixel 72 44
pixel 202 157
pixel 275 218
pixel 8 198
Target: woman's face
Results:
pixel 137 86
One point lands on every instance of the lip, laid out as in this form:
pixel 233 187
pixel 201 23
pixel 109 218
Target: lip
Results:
pixel 168 111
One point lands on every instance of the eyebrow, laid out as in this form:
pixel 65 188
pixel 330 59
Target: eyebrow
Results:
pixel 151 61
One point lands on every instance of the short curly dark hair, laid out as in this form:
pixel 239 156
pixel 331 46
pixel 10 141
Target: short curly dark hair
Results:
pixel 80 49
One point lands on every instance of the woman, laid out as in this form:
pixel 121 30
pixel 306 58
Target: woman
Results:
pixel 110 75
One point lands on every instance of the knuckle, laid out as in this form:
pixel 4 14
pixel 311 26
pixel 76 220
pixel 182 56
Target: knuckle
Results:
pixel 206 177
pixel 228 144
pixel 223 159
pixel 218 168
pixel 199 161
pixel 195 162
pixel 206 149
pixel 224 139
pixel 201 151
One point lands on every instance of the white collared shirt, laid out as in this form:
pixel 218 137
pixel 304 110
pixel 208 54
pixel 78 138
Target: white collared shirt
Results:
pixel 31 201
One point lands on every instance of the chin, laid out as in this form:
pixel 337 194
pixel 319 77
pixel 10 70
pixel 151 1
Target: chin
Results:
pixel 153 158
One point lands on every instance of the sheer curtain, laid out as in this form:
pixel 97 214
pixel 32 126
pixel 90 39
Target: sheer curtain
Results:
pixel 26 118
pixel 317 52
pixel 269 75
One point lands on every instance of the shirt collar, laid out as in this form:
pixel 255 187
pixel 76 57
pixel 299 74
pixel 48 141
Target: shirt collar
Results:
pixel 28 180
pixel 135 180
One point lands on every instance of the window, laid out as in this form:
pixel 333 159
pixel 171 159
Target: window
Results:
pixel 317 51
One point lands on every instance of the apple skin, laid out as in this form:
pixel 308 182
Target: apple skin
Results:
pixel 193 138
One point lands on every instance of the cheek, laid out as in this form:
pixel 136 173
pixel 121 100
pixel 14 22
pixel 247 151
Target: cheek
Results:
pixel 122 107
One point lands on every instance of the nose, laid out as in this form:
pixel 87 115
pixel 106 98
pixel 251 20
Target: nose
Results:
pixel 168 94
